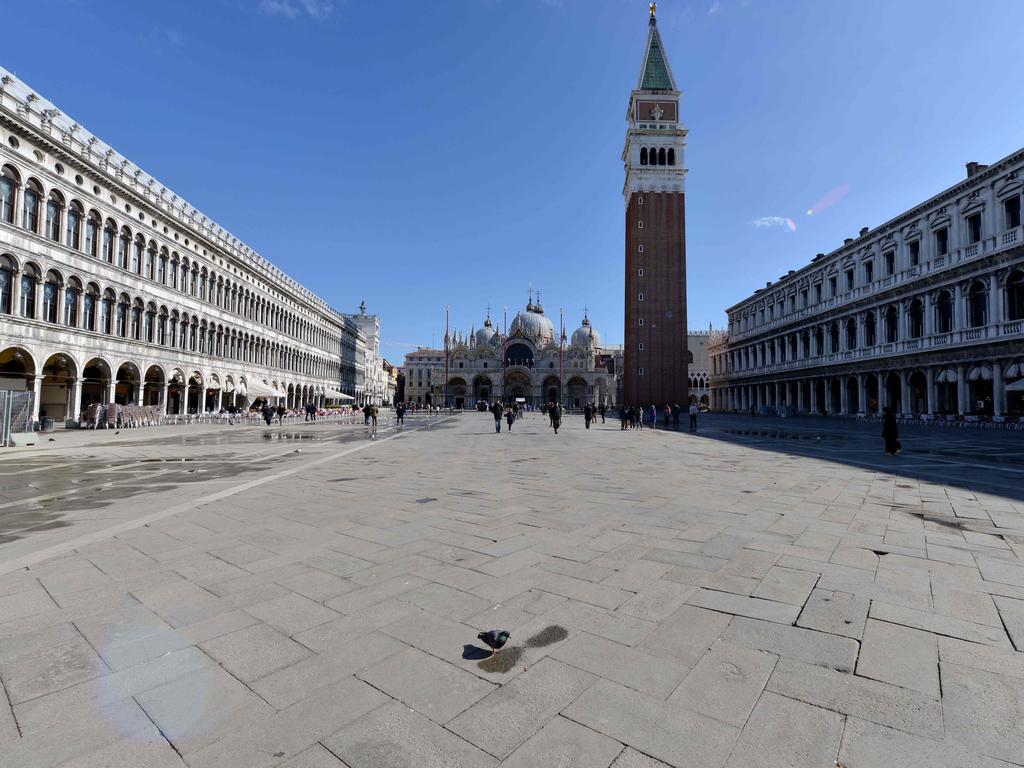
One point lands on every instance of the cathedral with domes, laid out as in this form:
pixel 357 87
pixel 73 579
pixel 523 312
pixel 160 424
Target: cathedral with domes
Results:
pixel 527 363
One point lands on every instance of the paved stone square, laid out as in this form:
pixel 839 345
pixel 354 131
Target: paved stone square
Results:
pixel 767 592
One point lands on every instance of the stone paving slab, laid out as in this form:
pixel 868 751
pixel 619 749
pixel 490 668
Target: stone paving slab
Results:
pixel 767 600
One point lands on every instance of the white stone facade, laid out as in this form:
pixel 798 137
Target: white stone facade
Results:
pixel 487 365
pixel 923 315
pixel 114 289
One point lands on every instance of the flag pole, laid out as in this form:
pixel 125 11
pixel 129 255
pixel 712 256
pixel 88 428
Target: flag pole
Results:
pixel 446 403
pixel 561 346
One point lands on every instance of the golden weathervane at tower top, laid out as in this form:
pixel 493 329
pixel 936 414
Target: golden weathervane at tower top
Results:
pixel 654 9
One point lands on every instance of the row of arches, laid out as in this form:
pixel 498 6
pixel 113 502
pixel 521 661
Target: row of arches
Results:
pixel 909 320
pixel 657 156
pixel 66 386
pixel 978 388
pixel 67 222
pixel 73 303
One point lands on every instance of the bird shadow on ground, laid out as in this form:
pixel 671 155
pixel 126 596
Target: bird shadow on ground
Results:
pixel 473 653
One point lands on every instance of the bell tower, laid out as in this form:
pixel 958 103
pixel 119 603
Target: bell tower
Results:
pixel 655 354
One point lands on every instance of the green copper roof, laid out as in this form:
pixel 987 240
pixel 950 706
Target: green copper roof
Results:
pixel 656 76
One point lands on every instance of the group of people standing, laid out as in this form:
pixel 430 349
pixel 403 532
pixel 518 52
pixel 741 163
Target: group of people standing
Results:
pixel 633 416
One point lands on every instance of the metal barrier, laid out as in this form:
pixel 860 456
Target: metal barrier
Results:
pixel 15 414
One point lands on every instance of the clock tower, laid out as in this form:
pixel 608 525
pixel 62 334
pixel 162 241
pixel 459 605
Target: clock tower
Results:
pixel 655 355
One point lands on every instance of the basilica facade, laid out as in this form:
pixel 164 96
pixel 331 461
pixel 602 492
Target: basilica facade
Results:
pixel 531 363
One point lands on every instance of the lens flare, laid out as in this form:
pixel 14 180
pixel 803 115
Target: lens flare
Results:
pixel 791 225
pixel 831 198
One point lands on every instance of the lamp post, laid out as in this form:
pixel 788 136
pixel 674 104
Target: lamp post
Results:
pixel 447 404
pixel 561 346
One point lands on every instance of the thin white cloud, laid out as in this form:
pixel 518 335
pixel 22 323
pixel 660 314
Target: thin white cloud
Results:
pixel 294 9
pixel 715 8
pixel 772 221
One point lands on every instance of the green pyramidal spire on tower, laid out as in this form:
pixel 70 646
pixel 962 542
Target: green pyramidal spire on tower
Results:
pixel 656 74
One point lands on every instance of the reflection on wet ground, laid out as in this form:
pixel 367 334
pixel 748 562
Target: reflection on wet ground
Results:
pixel 506 659
pixel 38 490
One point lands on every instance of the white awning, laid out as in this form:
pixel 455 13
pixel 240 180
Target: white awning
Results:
pixel 333 394
pixel 259 389
pixel 213 385
pixel 947 375
pixel 1016 386
pixel 1015 370
pixel 982 372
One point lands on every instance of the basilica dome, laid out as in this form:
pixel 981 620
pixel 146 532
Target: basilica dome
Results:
pixel 533 325
pixel 486 335
pixel 585 335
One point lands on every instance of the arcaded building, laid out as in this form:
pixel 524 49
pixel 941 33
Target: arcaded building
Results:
pixel 528 363
pixel 923 314
pixel 655 339
pixel 113 288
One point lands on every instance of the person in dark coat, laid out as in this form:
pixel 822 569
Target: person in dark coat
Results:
pixel 588 414
pixel 601 410
pixel 555 409
pixel 268 414
pixel 510 416
pixel 497 410
pixel 623 417
pixel 891 433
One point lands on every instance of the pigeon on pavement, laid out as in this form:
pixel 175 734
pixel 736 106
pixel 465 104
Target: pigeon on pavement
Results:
pixel 495 638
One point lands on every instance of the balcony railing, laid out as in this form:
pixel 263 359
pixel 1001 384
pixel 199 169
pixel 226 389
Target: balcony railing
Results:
pixel 1011 328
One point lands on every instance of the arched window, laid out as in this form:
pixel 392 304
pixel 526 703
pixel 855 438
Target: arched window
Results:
pixel 54 206
pixel 29 281
pixel 9 181
pixel 107 312
pixel 183 340
pixel 137 310
pixel 109 236
pixel 977 305
pixel 161 327
pixel 193 286
pixel 915 319
pixel 32 199
pixel 50 290
pixel 75 214
pixel 851 334
pixel 149 269
pixel 6 284
pixel 173 277
pixel 150 321
pixel 944 312
pixel 643 155
pixel 671 156
pixel 892 329
pixel 161 267
pixel 172 332
pixel 833 337
pixel 138 252
pixel 661 156
pixel 123 310
pixel 1015 296
pixel 202 285
pixel 89 302
pixel 869 330
pixel 124 246
pixel 71 294
pixel 92 234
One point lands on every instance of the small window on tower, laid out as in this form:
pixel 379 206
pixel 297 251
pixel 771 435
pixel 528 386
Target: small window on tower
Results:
pixel 639 225
pixel 640 272
pixel 641 346
pixel 640 200
pixel 641 321
pixel 641 371
pixel 641 297
pixel 640 248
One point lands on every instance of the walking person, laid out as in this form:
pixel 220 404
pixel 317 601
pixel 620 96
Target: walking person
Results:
pixel 496 410
pixel 601 410
pixel 281 411
pixel 652 413
pixel 556 416
pixel 510 416
pixel 891 433
pixel 676 410
pixel 623 418
pixel 373 418
pixel 694 410
pixel 667 415
pixel 400 415
pixel 268 414
pixel 588 414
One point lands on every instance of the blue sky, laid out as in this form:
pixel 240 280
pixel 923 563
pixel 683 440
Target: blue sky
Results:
pixel 418 154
